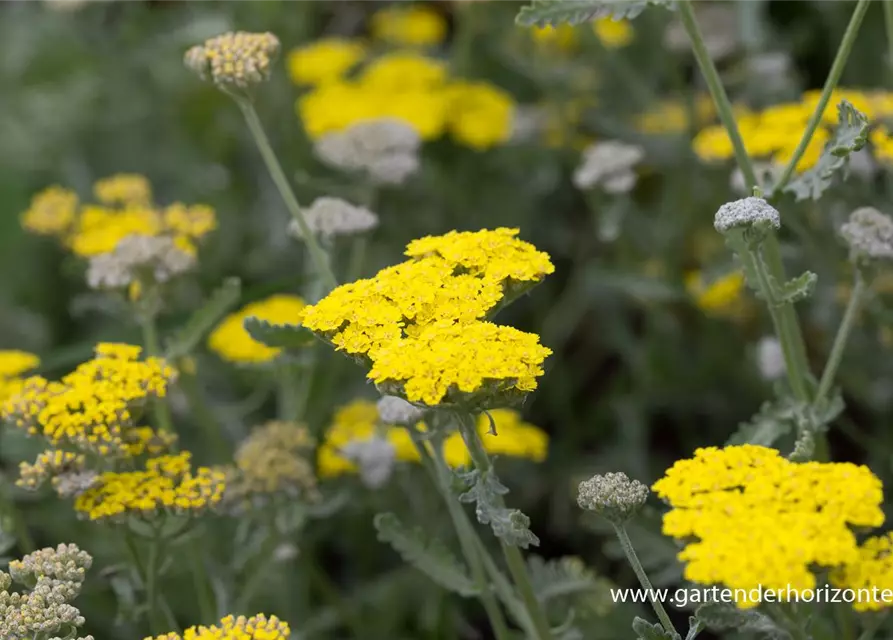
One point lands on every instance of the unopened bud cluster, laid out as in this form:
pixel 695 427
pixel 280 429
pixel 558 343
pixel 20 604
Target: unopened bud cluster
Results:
pixel 375 458
pixel 54 577
pixel 869 233
pixel 613 496
pixel 328 217
pixel 237 59
pixel 746 213
pixel 394 410
pixel 157 257
pixel 386 149
pixel 610 165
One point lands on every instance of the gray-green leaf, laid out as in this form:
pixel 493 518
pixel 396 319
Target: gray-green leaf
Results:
pixel 850 136
pixel 793 290
pixel 695 627
pixel 283 336
pixel 771 423
pixel 486 491
pixel 221 301
pixel 431 557
pixel 648 631
pixel 554 12
pixel 720 616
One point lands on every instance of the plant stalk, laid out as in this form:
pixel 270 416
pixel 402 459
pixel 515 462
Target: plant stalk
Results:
pixel 840 340
pixel 153 348
pixel 634 562
pixel 319 257
pixel 152 587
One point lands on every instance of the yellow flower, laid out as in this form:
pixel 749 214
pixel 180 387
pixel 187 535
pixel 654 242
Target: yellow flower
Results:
pixel 324 61
pixel 753 518
pixel 99 230
pixel 402 70
pixel 91 408
pixel 231 341
pixel 480 114
pixel 48 464
pixel 13 363
pixel 671 116
pixel 563 37
pixel 52 212
pixel 167 484
pixel 613 33
pixel 444 360
pixel 257 627
pixel 123 189
pixel 190 221
pixel 514 437
pixel 872 569
pixel 413 26
pixel 719 296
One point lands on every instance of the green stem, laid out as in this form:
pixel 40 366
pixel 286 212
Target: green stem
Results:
pixel 440 475
pixel 214 436
pixel 840 340
pixel 514 559
pixel 319 257
pixel 788 324
pixel 717 92
pixel 257 577
pixel 888 23
pixel 294 389
pixel 843 52
pixel 153 348
pixel 141 574
pixel 206 606
pixel 152 587
pixel 357 258
pixel 634 562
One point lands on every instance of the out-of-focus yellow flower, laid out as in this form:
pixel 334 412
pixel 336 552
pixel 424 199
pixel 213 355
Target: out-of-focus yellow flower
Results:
pixel 718 297
pixel 563 37
pixel 412 26
pixel 257 627
pixel 480 114
pixel 323 61
pixel 52 212
pixel 99 230
pixel 232 342
pixel 123 189
pixel 13 363
pixel 403 70
pixel 613 33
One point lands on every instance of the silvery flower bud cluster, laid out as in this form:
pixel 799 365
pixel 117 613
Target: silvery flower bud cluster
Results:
pixel 329 217
pixel 157 256
pixel 375 458
pixel 613 496
pixel 237 59
pixel 386 149
pixel 609 165
pixel 394 410
pixel 869 234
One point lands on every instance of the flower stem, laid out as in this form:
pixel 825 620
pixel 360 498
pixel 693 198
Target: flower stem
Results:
pixel 259 574
pixel 840 340
pixel 843 52
pixel 787 328
pixel 436 467
pixel 206 606
pixel 888 23
pixel 152 587
pixel 634 562
pixel 153 348
pixel 513 558
pixel 319 257
pixel 294 387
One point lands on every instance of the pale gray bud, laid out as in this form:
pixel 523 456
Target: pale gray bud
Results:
pixel 770 358
pixel 155 256
pixel 329 217
pixel 394 410
pixel 375 457
pixel 869 233
pixel 746 213
pixel 610 165
pixel 613 496
pixel 386 149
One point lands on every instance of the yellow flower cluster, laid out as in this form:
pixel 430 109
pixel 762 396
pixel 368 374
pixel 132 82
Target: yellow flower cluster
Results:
pixel 359 421
pixel 410 26
pixel 13 363
pixel 672 116
pixel 403 85
pixel 168 483
pixel 232 342
pixel 49 464
pixel 758 519
pixel 433 305
pixel 774 133
pixel 873 569
pixel 124 207
pixel 613 34
pixel 257 627
pixel 274 460
pixel 91 408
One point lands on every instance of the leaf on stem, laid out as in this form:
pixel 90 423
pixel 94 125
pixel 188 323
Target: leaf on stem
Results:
pixel 510 525
pixel 554 12
pixel 567 588
pixel 283 336
pixel 220 302
pixel 695 627
pixel 721 616
pixel 793 290
pixel 431 557
pixel 771 423
pixel 850 136
pixel 647 631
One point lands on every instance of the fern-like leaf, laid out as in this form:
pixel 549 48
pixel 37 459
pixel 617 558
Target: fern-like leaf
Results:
pixel 431 557
pixel 554 12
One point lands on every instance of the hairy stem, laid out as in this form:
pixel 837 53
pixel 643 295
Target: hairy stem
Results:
pixel 840 340
pixel 634 562
pixel 319 257
pixel 153 348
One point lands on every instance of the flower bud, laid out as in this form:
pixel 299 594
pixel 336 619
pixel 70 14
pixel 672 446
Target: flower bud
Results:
pixel 869 234
pixel 236 59
pixel 747 213
pixel 613 496
pixel 394 410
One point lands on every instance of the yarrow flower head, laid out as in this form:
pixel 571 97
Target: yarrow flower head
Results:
pixel 13 363
pixel 869 234
pixel 236 59
pixel 324 60
pixel 274 462
pixel 137 257
pixel 92 408
pixel 609 164
pixel 52 211
pixel 257 627
pixel 613 496
pixel 723 500
pixel 748 213
pixel 329 217
pixel 385 149
pixel 872 569
pixel 413 26
pixel 168 484
pixel 52 579
pixel 232 342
